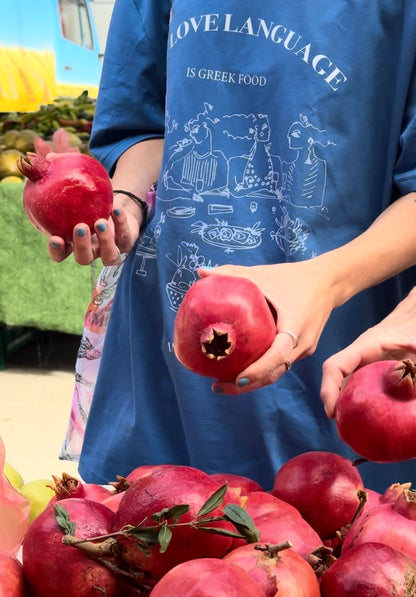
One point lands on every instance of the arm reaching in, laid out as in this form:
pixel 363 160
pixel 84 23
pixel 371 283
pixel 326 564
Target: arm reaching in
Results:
pixel 393 338
pixel 305 293
pixel 137 168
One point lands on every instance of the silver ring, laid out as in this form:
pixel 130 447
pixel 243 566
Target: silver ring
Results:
pixel 295 339
pixel 288 365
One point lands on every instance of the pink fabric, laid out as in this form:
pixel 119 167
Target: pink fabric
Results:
pixel 88 359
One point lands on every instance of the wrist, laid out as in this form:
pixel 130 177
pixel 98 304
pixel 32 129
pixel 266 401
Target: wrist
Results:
pixel 146 206
pixel 341 275
pixel 141 203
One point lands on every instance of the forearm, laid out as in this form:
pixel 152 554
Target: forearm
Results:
pixel 136 170
pixel 386 248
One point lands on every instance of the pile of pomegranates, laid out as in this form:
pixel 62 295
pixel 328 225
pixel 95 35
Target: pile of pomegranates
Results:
pixel 171 530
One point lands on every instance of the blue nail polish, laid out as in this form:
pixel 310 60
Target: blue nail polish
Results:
pixel 81 232
pixel 54 245
pixel 117 211
pixel 244 381
pixel 102 226
pixel 218 390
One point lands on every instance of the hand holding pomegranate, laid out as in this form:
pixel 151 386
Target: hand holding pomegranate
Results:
pixel 301 294
pixel 393 338
pixel 63 189
pixel 110 238
pixel 121 230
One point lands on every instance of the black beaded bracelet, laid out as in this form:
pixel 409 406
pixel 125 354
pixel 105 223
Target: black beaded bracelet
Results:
pixel 142 204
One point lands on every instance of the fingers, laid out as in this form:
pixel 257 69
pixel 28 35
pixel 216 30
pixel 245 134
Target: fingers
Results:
pixel 225 270
pixel 109 251
pixel 87 247
pixel 335 370
pixel 269 368
pixel 58 249
pixel 112 237
pixel 332 381
pixel 122 230
pixel 83 247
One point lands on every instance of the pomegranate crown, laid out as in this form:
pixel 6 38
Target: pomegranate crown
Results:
pixel 33 166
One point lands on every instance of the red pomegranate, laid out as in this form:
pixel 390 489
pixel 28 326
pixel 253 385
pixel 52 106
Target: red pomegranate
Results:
pixel 279 570
pixel 393 493
pixel 68 486
pixel 369 499
pixel 392 523
pixel 375 413
pixel 263 502
pixel 207 577
pixel 374 499
pixel 54 569
pixel 323 487
pixel 277 528
pixel 143 470
pixel 113 499
pixel 259 503
pixel 370 569
pixel 223 324
pixel 64 189
pixel 240 482
pixel 163 489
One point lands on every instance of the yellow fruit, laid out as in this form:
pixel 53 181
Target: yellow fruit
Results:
pixel 10 179
pixel 39 494
pixel 8 139
pixel 8 163
pixel 13 475
pixel 24 140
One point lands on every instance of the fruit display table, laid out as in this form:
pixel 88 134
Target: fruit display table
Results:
pixel 36 292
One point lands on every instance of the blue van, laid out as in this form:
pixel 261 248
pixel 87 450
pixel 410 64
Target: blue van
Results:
pixel 48 49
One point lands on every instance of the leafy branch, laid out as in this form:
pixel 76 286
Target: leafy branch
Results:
pixel 168 519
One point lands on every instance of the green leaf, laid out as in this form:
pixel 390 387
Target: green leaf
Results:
pixel 236 514
pixel 147 535
pixel 164 537
pixel 63 520
pixel 250 535
pixel 219 531
pixel 242 522
pixel 167 513
pixel 213 502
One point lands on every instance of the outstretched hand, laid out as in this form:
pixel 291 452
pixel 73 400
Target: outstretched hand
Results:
pixel 393 338
pixel 303 301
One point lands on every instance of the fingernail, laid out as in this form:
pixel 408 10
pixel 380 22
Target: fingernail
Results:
pixel 218 390
pixel 117 211
pixel 206 267
pixel 244 381
pixel 102 226
pixel 54 244
pixel 81 232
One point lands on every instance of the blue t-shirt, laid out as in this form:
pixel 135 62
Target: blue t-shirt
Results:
pixel 288 129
